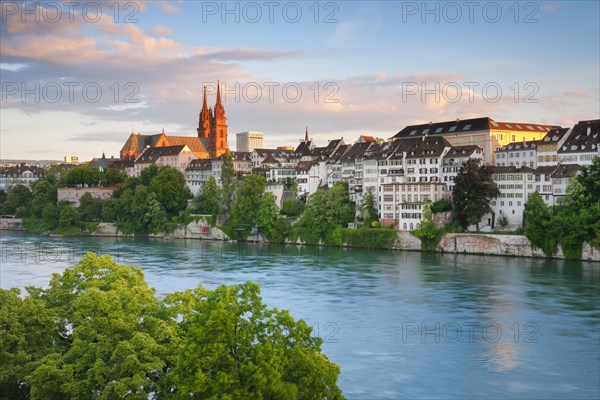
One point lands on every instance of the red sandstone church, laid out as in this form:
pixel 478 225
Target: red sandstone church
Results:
pixel 211 140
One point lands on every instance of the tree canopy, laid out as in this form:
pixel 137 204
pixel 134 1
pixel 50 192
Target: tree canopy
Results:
pixel 575 220
pixel 368 208
pixel 474 189
pixel 327 212
pixel 100 332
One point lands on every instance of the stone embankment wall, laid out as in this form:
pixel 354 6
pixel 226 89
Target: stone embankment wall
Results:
pixel 12 224
pixel 481 243
pixel 469 243
pixel 194 230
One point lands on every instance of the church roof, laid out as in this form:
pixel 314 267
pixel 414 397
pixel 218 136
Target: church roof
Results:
pixel 195 144
pixel 152 154
pixel 138 142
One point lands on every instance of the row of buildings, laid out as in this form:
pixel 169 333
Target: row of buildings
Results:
pixel 417 165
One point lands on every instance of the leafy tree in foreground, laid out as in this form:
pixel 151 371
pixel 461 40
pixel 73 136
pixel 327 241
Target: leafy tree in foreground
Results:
pixel 27 335
pixel 99 332
pixel 234 347
pixel 474 189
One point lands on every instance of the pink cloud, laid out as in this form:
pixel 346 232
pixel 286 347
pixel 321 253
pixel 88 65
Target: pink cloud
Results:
pixel 162 30
pixel 550 7
pixel 576 93
pixel 169 7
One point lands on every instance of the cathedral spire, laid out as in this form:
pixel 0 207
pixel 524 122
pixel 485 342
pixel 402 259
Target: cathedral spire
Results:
pixel 218 105
pixel 306 135
pixel 204 106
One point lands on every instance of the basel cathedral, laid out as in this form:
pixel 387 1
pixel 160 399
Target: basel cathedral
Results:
pixel 210 142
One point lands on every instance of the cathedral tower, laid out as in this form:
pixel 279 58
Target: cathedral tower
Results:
pixel 218 129
pixel 212 125
pixel 205 117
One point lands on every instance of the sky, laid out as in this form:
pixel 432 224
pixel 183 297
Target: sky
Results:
pixel 78 77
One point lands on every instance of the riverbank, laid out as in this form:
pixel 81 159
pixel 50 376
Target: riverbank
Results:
pixel 459 243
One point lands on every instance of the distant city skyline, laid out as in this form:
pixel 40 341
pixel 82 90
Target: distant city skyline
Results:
pixel 79 80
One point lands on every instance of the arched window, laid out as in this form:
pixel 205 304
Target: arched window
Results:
pixel 411 226
pixel 221 133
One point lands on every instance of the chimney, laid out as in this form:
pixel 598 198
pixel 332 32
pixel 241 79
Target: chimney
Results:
pixel 589 130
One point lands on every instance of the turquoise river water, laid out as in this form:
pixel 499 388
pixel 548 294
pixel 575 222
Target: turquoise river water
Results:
pixel 402 325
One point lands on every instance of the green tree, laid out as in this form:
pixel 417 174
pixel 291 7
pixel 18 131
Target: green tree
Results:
pixel 90 208
pixel 234 347
pixel 267 216
pixel 43 193
pixel 2 201
pixel 155 217
pixel 117 339
pixel 148 174
pixel 27 334
pixel 327 210
pixel 590 181
pixel 99 332
pixel 171 190
pixel 442 205
pixel 228 182
pixel 18 200
pixel 210 200
pixel 292 207
pixel 502 222
pixel 474 189
pixel 427 232
pixel 112 176
pixel 50 216
pixel 246 206
pixel 55 173
pixel 68 217
pixel 538 223
pixel 368 207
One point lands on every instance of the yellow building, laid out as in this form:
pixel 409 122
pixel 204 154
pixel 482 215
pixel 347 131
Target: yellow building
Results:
pixel 483 132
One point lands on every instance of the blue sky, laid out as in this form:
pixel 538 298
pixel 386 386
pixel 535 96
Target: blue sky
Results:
pixel 373 58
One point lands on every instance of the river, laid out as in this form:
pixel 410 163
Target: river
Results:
pixel 402 325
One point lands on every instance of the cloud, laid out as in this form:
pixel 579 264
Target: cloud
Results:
pixel 162 30
pixel 100 136
pixel 576 93
pixel 550 6
pixel 247 54
pixel 169 7
pixel 166 78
